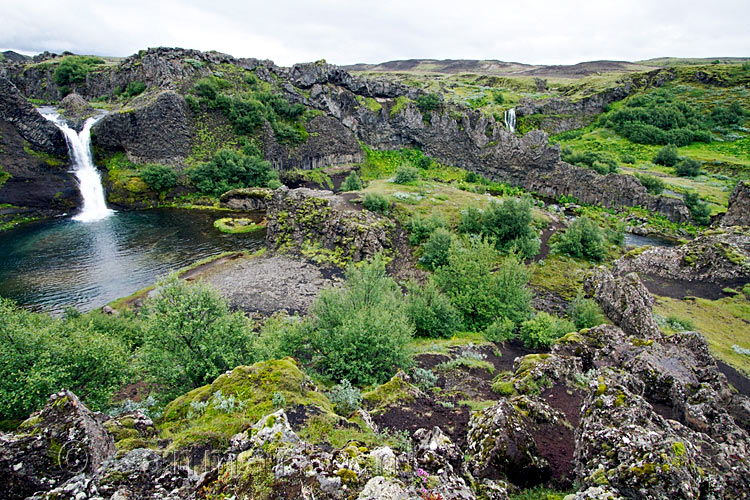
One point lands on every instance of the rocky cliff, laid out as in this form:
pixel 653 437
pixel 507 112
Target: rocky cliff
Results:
pixel 33 154
pixel 738 211
pixel 159 127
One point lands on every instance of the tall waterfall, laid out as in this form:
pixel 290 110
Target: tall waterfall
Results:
pixel 89 181
pixel 510 119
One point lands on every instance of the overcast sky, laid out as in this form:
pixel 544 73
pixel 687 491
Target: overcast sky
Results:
pixel 351 31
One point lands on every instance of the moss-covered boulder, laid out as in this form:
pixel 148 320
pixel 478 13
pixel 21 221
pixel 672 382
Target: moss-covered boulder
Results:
pixel 207 417
pixel 397 391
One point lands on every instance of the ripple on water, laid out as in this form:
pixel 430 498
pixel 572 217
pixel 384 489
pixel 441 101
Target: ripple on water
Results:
pixel 49 266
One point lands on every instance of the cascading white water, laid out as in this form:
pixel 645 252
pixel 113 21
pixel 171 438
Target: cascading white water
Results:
pixel 89 181
pixel 510 120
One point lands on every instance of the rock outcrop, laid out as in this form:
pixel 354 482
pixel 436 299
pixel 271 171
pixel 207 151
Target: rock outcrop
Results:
pixel 324 226
pixel 738 211
pixel 719 256
pixel 33 154
pixel 76 110
pixel 158 130
pixel 63 440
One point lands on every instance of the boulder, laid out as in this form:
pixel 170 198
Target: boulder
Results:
pixel 738 211
pixel 626 301
pixel 246 198
pixel 501 446
pixel 62 440
pixel 76 110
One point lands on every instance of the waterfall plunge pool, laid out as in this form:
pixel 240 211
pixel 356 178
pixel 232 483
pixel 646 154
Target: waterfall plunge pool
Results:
pixel 48 266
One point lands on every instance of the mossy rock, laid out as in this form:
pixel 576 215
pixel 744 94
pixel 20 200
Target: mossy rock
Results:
pixel 254 387
pixel 393 391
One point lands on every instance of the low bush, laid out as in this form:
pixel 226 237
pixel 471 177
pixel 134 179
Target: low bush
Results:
pixel 699 210
pixel 585 313
pixel 378 203
pixel 40 355
pixel 135 88
pixel 688 167
pixel 73 69
pixel 667 156
pixel 507 224
pixel 479 294
pixel 436 249
pixel 359 332
pixel 543 329
pixel 406 174
pixel 583 239
pixel 600 161
pixel 420 227
pixel 352 182
pixel 431 312
pixel 191 337
pixel 160 178
pixel 230 170
pixel 501 330
pixel 428 102
pixel 653 185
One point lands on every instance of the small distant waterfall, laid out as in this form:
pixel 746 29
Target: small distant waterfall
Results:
pixel 510 120
pixel 89 181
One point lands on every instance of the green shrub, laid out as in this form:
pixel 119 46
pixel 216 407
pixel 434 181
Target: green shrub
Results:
pixel 653 185
pixel 431 312
pixel 378 203
pixel 420 227
pixel 360 331
pixel 628 158
pixel 135 88
pixel 600 161
pixel 497 97
pixel 280 336
pixel 583 240
pixel 428 102
pixel 406 174
pixel 479 294
pixel 191 337
pixel 501 330
pixel 160 178
pixel 73 69
pixel 699 210
pixel 229 170
pixel 508 224
pixel 727 116
pixel 585 313
pixel 345 398
pixel 667 156
pixel 436 249
pixel 40 355
pixel 688 167
pixel 543 329
pixel 352 182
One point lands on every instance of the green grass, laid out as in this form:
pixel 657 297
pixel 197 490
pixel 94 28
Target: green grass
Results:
pixel 237 226
pixel 442 346
pixel 723 322
pixel 560 275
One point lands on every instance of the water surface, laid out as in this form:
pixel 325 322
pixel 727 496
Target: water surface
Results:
pixel 49 266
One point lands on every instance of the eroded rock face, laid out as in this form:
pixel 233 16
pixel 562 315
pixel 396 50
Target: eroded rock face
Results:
pixel 322 224
pixel 246 199
pixel 62 440
pixel 716 256
pixel 626 301
pixel 158 131
pixel 738 211
pixel 34 152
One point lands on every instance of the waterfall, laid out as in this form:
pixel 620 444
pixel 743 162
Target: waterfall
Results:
pixel 89 181
pixel 510 119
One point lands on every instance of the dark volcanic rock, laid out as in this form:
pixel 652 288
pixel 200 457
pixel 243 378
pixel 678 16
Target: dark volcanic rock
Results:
pixel 62 440
pixel 34 152
pixel 738 212
pixel 719 256
pixel 158 131
pixel 75 110
pixel 626 301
